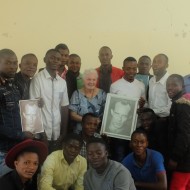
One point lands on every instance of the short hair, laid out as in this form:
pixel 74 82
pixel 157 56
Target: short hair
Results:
pixel 85 116
pixel 149 110
pixel 74 55
pixel 129 59
pixel 73 136
pixel 178 77
pixel 61 46
pixel 97 140
pixel 146 57
pixel 28 55
pixel 105 47
pixel 51 50
pixel 140 131
pixel 165 56
pixel 88 72
pixel 4 52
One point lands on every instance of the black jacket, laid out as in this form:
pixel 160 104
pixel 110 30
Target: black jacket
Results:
pixel 12 181
pixel 179 132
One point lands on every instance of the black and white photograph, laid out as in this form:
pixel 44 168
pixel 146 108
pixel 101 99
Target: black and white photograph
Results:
pixel 31 117
pixel 120 116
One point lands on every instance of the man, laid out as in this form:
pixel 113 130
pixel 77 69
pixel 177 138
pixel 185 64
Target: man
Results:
pixel 107 74
pixel 90 123
pixel 28 67
pixel 104 173
pixel 131 88
pixel 158 97
pixel 64 169
pixel 143 75
pixel 128 85
pixel 73 75
pixel 10 122
pixel 48 85
pixel 146 165
pixel 187 83
pixel 179 133
pixel 64 51
pixel 119 117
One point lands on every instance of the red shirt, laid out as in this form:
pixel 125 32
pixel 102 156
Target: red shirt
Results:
pixel 116 74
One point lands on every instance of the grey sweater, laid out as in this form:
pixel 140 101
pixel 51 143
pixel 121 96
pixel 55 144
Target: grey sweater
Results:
pixel 115 177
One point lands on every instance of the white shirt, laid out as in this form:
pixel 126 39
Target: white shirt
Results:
pixel 135 89
pixel 158 96
pixel 54 94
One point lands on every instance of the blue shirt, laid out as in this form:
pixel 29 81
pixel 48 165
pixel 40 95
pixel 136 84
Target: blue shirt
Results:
pixel 187 83
pixel 154 164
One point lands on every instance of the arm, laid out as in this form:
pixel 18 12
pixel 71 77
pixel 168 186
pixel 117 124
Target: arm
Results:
pixel 64 119
pixel 34 89
pixel 123 183
pixel 45 180
pixel 182 131
pixel 79 182
pixel 161 183
pixel 75 116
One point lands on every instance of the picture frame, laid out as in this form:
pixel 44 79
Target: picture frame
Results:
pixel 120 116
pixel 31 116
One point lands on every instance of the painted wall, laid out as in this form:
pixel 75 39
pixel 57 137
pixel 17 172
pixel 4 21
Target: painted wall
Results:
pixel 129 27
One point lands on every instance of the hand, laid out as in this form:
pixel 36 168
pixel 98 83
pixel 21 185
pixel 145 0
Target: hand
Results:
pixel 40 102
pixel 141 102
pixel 172 165
pixel 28 135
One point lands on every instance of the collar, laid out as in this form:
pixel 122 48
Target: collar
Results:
pixel 162 80
pixel 48 76
pixel 61 156
pixel 148 157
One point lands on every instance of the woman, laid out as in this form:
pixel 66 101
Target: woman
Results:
pixel 25 159
pixel 87 99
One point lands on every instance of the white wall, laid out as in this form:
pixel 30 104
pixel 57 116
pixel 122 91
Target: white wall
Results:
pixel 129 27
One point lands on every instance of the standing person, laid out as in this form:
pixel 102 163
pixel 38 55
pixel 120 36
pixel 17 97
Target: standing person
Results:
pixel 107 74
pixel 87 99
pixel 64 169
pixel 131 88
pixel 73 75
pixel 25 159
pixel 105 174
pixel 179 133
pixel 64 51
pixel 146 165
pixel 28 68
pixel 158 97
pixel 10 122
pixel 48 85
pixel 143 75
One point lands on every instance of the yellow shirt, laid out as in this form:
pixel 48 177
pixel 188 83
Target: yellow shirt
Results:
pixel 58 174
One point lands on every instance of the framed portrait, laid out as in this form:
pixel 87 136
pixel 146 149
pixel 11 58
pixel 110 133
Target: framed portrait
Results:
pixel 120 116
pixel 31 116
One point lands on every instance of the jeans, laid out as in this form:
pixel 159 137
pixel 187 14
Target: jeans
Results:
pixel 3 167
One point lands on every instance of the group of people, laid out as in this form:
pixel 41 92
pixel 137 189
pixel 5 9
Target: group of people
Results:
pixel 72 107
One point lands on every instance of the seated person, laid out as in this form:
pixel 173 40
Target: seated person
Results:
pixel 64 169
pixel 25 159
pixel 104 173
pixel 146 165
pixel 87 99
pixel 89 129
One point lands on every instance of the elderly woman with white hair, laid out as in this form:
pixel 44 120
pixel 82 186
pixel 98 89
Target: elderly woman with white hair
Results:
pixel 87 99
